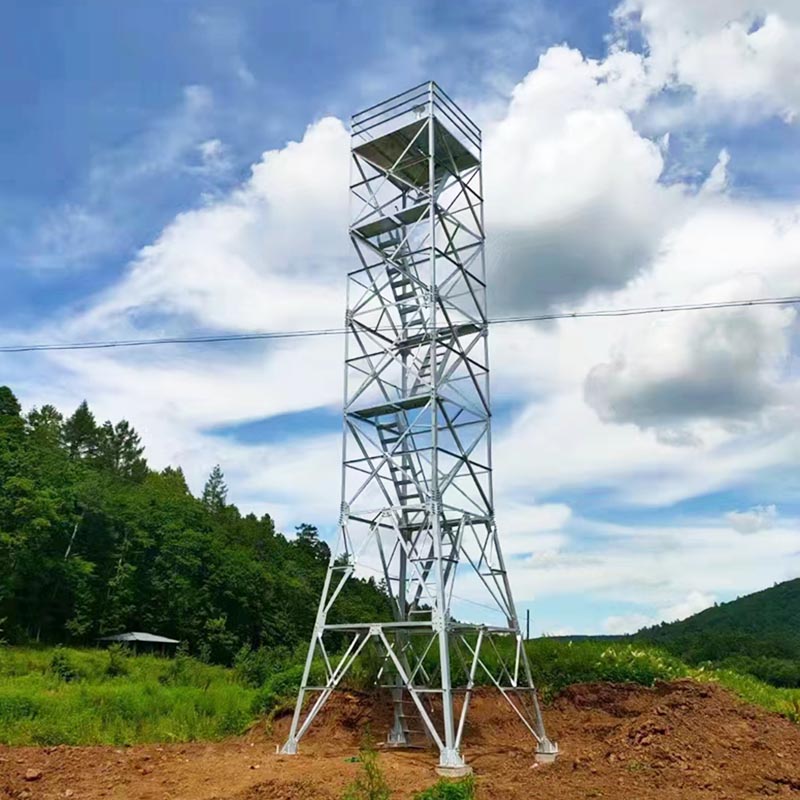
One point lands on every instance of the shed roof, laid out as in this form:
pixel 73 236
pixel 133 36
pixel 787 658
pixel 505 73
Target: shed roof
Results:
pixel 138 636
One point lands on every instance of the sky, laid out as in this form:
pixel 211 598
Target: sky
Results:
pixel 176 168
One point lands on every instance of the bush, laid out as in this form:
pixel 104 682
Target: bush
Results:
pixel 371 783
pixel 255 667
pixel 279 689
pixel 117 661
pixel 449 790
pixel 62 667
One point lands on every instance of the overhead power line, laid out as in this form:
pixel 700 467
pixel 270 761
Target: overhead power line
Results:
pixel 308 333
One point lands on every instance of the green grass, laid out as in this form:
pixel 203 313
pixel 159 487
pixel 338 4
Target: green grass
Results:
pixel 156 700
pixel 71 696
pixel 556 664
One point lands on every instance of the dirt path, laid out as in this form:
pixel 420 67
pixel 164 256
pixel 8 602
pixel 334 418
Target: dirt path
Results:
pixel 679 740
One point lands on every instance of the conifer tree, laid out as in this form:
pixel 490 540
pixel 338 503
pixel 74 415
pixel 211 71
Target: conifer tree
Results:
pixel 81 432
pixel 215 492
pixel 119 449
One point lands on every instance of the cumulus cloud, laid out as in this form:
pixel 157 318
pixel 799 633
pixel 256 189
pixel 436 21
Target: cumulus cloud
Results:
pixel 674 374
pixel 723 367
pixel 578 212
pixel 735 54
pixel 758 518
pixel 693 603
pixel 573 196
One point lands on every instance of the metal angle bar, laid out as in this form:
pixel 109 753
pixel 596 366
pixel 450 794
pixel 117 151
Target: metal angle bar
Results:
pixel 438 90
pixel 420 667
pixel 373 472
pixel 366 626
pixel 333 682
pixel 390 171
pixel 470 684
pixel 413 693
pixel 407 102
pixel 504 692
pixel 416 88
pixel 384 456
pixel 464 458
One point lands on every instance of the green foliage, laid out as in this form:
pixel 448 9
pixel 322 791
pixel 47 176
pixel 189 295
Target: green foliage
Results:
pixel 463 789
pixel 558 663
pixel 370 783
pixel 280 689
pixel 37 707
pixel 117 661
pixel 215 492
pixel 758 634
pixel 62 667
pixel 93 542
pixel 255 667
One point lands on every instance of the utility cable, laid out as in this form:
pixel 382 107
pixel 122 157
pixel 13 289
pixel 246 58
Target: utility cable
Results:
pixel 313 332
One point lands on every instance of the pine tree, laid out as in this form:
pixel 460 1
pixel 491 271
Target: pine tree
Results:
pixel 11 424
pixel 81 432
pixel 215 492
pixel 9 405
pixel 119 450
pixel 46 425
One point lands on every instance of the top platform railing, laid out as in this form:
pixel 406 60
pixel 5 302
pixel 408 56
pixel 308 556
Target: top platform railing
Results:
pixel 421 101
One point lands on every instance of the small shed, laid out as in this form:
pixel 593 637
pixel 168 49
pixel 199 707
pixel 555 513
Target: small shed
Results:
pixel 143 642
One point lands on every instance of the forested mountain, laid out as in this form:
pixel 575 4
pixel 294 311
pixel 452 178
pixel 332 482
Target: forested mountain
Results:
pixel 93 541
pixel 758 633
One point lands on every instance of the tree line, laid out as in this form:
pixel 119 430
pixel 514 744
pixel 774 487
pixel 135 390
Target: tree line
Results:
pixel 93 541
pixel 758 633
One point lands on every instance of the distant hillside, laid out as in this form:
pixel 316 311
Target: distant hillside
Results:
pixel 758 633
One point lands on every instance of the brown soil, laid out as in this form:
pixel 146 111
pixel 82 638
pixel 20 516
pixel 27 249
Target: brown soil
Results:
pixel 678 740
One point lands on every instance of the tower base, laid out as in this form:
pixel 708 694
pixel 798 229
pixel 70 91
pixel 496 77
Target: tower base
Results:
pixel 454 772
pixel 546 752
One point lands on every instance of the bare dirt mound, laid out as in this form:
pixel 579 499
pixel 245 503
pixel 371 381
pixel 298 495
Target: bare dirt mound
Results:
pixel 678 740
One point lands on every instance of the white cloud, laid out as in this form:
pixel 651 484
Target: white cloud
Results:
pixel 577 213
pixel 739 55
pixel 756 519
pixel 626 623
pixel 693 603
pixel 573 196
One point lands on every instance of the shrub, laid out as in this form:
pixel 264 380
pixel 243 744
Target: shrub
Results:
pixel 62 667
pixel 449 790
pixel 278 689
pixel 255 667
pixel 371 783
pixel 117 661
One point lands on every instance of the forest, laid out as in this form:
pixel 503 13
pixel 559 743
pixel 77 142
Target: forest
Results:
pixel 757 634
pixel 93 541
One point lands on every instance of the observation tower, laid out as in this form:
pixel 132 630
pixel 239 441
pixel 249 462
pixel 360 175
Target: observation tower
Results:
pixel 417 503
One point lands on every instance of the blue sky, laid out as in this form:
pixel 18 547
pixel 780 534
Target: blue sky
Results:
pixel 636 152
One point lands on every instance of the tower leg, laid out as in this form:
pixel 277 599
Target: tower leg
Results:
pixel 398 736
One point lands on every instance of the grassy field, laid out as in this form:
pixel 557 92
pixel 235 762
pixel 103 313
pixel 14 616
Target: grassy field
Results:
pixel 556 664
pixel 55 696
pixel 71 696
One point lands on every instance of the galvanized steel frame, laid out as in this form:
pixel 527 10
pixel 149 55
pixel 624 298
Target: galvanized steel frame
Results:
pixel 416 478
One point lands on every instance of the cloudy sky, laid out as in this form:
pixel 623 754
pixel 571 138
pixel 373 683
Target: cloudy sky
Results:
pixel 174 168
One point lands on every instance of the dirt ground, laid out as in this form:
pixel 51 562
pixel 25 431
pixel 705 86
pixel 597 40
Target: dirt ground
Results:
pixel 678 740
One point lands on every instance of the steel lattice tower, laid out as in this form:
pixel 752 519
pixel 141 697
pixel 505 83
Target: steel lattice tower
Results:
pixel 417 503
